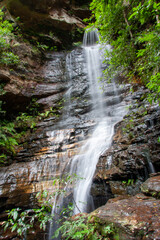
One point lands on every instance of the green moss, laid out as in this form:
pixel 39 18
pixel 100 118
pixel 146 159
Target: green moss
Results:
pixel 140 233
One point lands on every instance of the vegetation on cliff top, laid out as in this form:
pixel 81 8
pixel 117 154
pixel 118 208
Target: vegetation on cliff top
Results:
pixel 132 28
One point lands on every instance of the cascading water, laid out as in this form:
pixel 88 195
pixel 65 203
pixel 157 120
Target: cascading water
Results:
pixel 84 164
pixel 92 54
pixel 100 118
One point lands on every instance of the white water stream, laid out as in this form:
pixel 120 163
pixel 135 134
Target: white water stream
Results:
pixel 105 117
pixel 84 164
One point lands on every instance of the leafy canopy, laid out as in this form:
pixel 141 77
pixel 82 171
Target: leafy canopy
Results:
pixel 132 28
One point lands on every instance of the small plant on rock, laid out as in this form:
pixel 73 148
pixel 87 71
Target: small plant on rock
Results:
pixel 79 227
pixel 6 36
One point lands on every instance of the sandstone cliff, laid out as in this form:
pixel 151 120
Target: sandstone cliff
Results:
pixel 127 173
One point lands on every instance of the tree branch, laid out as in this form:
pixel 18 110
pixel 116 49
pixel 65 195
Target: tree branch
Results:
pixel 126 20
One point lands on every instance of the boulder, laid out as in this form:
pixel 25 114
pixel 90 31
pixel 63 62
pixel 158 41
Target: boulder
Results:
pixel 133 218
pixel 152 186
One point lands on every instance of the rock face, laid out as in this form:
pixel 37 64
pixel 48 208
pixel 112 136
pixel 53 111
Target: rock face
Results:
pixel 134 153
pixel 49 149
pixel 152 186
pixel 132 158
pixel 33 81
pixel 134 218
pixel 55 82
pixel 56 22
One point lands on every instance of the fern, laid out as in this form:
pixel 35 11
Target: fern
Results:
pixel 8 140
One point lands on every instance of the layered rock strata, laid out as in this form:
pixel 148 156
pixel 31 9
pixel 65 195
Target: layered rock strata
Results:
pixel 134 153
pixel 123 169
pixel 48 151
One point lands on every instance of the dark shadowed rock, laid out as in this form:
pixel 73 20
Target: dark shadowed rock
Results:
pixel 4 78
pixel 53 21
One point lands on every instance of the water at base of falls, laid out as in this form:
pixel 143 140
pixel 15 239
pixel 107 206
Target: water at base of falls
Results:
pixel 104 116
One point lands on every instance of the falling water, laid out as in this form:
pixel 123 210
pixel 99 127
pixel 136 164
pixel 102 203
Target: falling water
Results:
pixel 92 54
pixel 102 116
pixel 84 164
pixel 146 154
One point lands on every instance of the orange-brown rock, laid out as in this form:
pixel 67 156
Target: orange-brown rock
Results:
pixel 134 218
pixel 152 186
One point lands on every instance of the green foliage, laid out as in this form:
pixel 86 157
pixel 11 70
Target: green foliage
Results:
pixel 8 140
pixel 54 48
pixel 129 182
pixel 129 126
pixel 53 112
pixel 145 11
pixel 25 121
pixel 12 132
pixel 23 221
pixel 154 86
pixel 148 60
pixel 49 113
pixel 82 227
pixel 6 36
pixel 79 227
pixel 33 107
pixel 133 30
pixel 77 44
pixel 42 47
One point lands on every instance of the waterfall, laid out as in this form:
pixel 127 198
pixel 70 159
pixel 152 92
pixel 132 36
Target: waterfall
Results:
pixel 100 117
pixel 147 156
pixel 84 164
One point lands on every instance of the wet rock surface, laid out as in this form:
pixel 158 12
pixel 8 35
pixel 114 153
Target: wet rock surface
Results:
pixel 46 91
pixel 59 80
pixel 132 157
pixel 134 153
pixel 129 167
pixel 134 218
pixel 152 186
pixel 49 149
